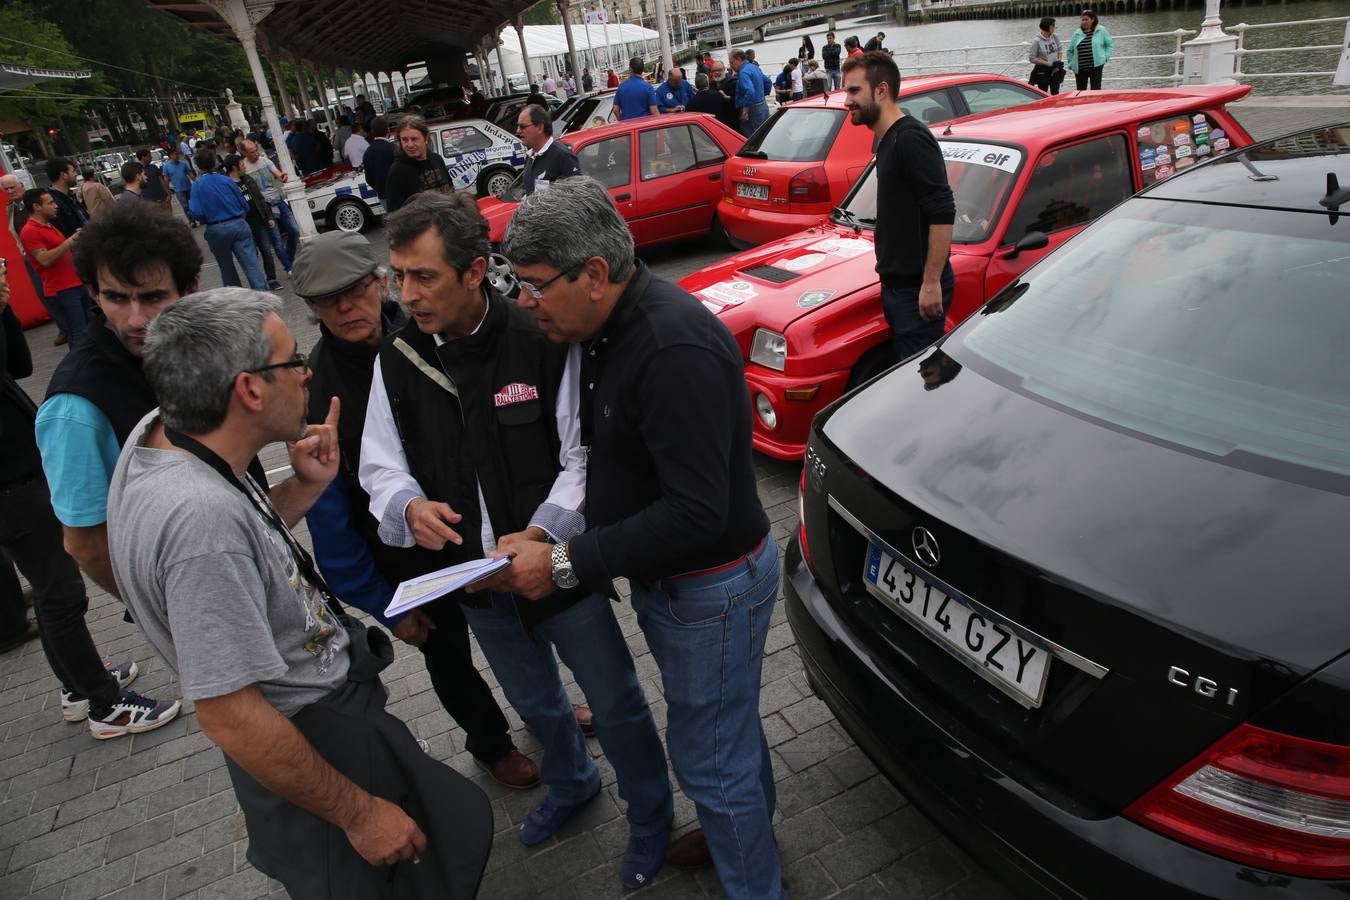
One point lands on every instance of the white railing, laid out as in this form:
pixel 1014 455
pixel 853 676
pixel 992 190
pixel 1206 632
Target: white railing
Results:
pixel 1002 65
pixel 1242 52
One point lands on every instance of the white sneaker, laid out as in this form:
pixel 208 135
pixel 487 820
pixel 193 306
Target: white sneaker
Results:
pixel 75 708
pixel 133 714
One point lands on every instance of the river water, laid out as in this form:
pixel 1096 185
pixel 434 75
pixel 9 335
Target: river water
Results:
pixel 775 51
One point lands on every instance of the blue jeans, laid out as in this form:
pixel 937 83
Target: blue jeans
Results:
pixel 909 332
pixel 289 229
pixel 70 308
pixel 836 79
pixel 758 113
pixel 235 238
pixel 707 634
pixel 587 638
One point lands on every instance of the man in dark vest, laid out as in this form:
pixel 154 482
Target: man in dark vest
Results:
pixel 472 445
pixel 337 276
pixel 548 160
pixel 136 263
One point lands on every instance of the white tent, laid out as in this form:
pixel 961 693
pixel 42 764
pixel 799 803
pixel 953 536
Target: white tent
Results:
pixel 607 46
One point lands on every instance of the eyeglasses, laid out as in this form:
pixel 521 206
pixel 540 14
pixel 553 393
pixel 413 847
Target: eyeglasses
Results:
pixel 355 292
pixel 537 291
pixel 298 361
pixel 522 127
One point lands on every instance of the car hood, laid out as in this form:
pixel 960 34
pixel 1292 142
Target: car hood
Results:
pixel 1226 556
pixel 498 214
pixel 772 285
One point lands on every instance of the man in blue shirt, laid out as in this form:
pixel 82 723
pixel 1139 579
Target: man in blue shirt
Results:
pixel 675 94
pixel 751 86
pixel 635 98
pixel 180 178
pixel 216 200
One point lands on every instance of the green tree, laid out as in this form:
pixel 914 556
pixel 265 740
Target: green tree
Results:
pixel 543 13
pixel 28 40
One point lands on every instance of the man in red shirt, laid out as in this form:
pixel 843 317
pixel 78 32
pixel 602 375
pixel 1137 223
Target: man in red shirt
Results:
pixel 49 250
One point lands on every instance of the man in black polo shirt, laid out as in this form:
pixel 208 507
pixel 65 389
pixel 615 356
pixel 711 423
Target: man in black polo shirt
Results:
pixel 670 503
pixel 915 209
pixel 548 160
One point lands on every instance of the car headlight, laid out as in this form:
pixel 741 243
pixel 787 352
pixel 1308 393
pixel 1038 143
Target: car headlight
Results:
pixel 769 348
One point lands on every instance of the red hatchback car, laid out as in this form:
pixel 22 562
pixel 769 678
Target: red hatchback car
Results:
pixel 794 171
pixel 664 174
pixel 807 310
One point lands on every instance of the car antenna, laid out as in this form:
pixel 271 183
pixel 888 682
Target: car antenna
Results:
pixel 1336 195
pixel 947 131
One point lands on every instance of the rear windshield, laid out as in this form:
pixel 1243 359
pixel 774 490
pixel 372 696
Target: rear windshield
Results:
pixel 980 176
pixel 796 135
pixel 1216 330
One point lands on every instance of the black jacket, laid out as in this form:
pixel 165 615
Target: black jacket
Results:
pixel 711 101
pixel 18 446
pixel 69 218
pixel 555 162
pixel 260 211
pixel 106 374
pixel 457 442
pixel 379 157
pixel 412 176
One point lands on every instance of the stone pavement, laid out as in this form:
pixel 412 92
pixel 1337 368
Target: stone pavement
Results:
pixel 153 816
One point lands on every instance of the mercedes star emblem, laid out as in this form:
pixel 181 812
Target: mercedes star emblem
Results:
pixel 926 547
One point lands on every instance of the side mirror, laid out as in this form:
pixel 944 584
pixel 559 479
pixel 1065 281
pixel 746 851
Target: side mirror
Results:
pixel 1032 240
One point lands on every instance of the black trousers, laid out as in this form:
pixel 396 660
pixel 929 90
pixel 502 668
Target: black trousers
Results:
pixel 909 332
pixel 260 238
pixel 1047 78
pixel 13 615
pixel 31 536
pixel 463 692
pixel 1092 75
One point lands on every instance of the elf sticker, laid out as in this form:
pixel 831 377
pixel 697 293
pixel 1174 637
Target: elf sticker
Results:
pixel 515 393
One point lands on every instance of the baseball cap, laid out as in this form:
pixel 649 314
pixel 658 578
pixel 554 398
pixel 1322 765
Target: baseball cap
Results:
pixel 331 262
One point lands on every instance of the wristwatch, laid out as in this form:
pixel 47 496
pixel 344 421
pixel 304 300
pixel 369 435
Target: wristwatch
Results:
pixel 563 574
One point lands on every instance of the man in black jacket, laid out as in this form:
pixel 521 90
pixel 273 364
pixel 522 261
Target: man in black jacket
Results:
pixel 69 217
pixel 472 446
pixel 548 160
pixel 379 155
pixel 416 168
pixel 708 99
pixel 337 276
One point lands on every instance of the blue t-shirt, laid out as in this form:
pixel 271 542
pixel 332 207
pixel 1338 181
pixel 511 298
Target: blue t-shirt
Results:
pixel 635 98
pixel 667 97
pixel 177 173
pixel 79 453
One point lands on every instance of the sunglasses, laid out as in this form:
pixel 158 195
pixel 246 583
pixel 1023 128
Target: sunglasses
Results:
pixel 298 361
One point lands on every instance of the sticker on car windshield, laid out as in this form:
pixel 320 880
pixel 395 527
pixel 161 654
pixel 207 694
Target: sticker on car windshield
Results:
pixel 1004 158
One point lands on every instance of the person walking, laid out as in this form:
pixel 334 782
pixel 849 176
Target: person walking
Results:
pixel 671 505
pixel 417 168
pixel 93 194
pixel 829 58
pixel 258 215
pixel 217 202
pixel 379 156
pixel 181 176
pixel 915 207
pixel 546 160
pixel 1089 51
pixel 334 789
pixel 156 187
pixel 285 234
pixel 1047 58
pixel 751 110
pixel 635 98
pixel 49 250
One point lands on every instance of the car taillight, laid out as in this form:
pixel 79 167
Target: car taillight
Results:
pixel 801 521
pixel 1262 798
pixel 810 186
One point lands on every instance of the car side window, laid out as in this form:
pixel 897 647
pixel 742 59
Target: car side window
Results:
pixel 464 139
pixel 705 148
pixel 1073 185
pixel 665 151
pixel 930 107
pixel 607 161
pixel 984 96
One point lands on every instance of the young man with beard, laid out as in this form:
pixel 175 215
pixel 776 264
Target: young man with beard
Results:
pixel 485 455
pixel 138 262
pixel 915 208
pixel 416 168
pixel 337 277
pixel 61 173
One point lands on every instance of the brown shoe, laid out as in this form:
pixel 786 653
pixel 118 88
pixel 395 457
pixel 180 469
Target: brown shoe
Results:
pixel 689 851
pixel 514 770
pixel 60 339
pixel 584 719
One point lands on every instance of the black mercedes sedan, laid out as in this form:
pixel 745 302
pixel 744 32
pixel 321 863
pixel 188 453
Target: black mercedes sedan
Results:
pixel 1077 577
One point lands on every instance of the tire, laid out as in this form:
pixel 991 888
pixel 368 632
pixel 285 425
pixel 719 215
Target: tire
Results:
pixel 871 364
pixel 720 234
pixel 349 214
pixel 496 182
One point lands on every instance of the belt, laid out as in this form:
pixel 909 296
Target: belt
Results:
pixel 722 568
pixel 223 221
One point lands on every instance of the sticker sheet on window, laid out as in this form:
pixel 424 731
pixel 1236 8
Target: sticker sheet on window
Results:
pixel 1171 144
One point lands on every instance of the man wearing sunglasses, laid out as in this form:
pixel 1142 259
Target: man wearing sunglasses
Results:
pixel 337 276
pixel 548 160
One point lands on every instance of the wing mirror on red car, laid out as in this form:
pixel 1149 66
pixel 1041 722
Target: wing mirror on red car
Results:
pixel 1032 240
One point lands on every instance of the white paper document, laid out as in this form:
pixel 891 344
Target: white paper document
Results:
pixel 433 585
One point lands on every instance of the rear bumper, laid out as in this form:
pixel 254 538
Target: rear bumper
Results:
pixel 749 227
pixel 787 440
pixel 1037 847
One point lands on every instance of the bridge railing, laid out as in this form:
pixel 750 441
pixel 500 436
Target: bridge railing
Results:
pixel 1334 23
pixel 1005 58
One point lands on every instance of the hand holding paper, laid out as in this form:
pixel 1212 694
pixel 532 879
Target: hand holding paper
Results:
pixel 434 585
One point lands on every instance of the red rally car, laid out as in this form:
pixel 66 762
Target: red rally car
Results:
pixel 806 310
pixel 664 174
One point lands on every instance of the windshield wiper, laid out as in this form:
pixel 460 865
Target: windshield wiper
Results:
pixel 753 154
pixel 842 215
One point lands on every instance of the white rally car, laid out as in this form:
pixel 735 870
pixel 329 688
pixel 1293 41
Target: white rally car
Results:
pixel 478 156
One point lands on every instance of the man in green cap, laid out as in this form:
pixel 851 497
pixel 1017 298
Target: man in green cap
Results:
pixel 337 275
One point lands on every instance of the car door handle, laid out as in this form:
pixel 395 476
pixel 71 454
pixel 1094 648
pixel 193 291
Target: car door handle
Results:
pixel 621 197
pixel 715 176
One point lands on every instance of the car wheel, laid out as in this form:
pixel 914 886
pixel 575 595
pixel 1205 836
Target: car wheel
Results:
pixel 349 215
pixel 495 182
pixel 871 364
pixel 719 233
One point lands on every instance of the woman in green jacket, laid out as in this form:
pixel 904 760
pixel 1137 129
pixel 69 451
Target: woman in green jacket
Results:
pixel 1089 49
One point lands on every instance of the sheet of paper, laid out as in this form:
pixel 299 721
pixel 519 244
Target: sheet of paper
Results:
pixel 433 585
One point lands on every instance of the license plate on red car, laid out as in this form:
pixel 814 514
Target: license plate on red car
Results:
pixel 1010 662
pixel 752 191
